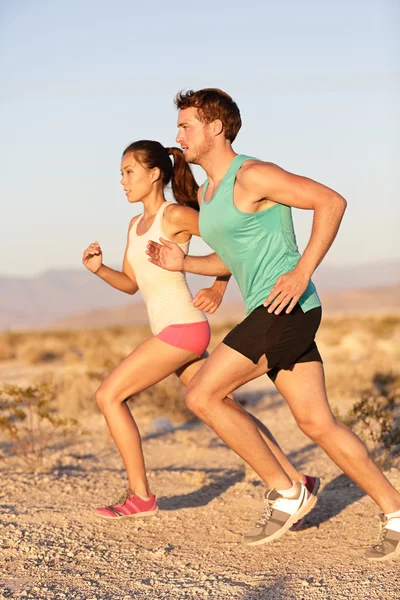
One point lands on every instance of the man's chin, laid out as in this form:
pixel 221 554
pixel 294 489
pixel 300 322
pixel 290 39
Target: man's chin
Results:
pixel 190 158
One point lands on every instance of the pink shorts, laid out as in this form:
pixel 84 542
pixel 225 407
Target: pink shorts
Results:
pixel 193 337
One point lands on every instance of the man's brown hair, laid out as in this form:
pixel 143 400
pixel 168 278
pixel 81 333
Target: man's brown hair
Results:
pixel 213 104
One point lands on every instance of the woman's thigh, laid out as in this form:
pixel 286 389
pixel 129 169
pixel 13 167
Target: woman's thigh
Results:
pixel 189 370
pixel 149 363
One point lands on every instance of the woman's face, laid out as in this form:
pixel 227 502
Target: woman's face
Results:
pixel 136 179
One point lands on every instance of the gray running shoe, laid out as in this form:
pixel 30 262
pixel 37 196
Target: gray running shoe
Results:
pixel 388 545
pixel 312 484
pixel 279 515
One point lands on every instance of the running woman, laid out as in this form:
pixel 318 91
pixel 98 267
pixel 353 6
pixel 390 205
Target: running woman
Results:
pixel 181 332
pixel 245 216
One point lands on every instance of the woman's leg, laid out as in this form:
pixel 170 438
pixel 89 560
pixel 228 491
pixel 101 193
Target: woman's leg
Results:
pixel 148 364
pixel 303 388
pixel 187 372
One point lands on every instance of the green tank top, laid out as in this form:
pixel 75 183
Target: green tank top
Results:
pixel 256 247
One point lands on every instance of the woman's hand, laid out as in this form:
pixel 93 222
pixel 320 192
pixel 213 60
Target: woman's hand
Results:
pixel 93 257
pixel 208 299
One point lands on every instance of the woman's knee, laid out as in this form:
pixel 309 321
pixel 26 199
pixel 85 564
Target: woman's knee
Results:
pixel 105 398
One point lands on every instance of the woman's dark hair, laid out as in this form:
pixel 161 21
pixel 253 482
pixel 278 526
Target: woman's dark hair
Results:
pixel 152 154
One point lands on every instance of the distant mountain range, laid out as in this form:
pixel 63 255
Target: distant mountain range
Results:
pixel 76 296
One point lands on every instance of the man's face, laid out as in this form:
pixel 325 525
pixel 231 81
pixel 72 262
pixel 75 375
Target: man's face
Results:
pixel 194 137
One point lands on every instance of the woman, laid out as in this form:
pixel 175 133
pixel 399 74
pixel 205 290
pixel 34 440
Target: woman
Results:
pixel 180 329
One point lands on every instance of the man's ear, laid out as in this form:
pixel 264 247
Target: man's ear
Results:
pixel 217 127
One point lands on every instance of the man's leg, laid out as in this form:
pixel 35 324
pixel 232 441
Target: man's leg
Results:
pixel 224 371
pixel 187 373
pixel 303 388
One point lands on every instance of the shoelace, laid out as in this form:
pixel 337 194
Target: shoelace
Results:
pixel 267 512
pixel 124 497
pixel 382 534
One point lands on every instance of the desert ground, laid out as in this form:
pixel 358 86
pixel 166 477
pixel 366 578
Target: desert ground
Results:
pixel 54 475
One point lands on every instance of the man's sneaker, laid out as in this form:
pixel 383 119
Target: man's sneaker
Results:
pixel 312 484
pixel 279 515
pixel 388 545
pixel 129 505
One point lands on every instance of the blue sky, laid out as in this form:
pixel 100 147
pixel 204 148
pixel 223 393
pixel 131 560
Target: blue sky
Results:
pixel 318 85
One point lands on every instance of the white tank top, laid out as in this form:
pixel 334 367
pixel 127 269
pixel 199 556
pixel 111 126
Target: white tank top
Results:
pixel 166 293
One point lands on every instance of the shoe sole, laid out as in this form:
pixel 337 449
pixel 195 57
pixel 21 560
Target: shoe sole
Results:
pixel 311 502
pixel 296 526
pixel 141 515
pixel 391 556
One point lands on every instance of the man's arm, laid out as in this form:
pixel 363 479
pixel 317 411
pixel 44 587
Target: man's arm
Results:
pixel 273 183
pixel 210 264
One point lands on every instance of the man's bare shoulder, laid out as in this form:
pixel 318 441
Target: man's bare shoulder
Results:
pixel 256 172
pixel 255 168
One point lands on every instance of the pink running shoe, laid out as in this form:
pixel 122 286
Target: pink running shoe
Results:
pixel 129 505
pixel 312 484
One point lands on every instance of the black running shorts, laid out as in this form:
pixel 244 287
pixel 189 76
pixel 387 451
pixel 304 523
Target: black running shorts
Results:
pixel 285 339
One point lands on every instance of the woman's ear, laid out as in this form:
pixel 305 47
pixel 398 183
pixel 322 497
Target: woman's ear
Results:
pixel 155 174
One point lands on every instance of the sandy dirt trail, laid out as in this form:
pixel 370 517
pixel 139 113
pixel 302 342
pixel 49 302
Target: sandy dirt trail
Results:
pixel 52 547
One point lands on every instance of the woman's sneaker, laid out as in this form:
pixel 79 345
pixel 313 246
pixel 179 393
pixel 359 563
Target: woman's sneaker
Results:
pixel 280 514
pixel 388 545
pixel 312 484
pixel 129 505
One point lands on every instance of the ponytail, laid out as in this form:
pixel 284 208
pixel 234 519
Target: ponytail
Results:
pixel 153 154
pixel 184 185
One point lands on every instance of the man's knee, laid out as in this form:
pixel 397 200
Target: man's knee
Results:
pixel 317 429
pixel 196 400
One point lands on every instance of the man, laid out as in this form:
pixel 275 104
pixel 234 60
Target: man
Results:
pixel 245 216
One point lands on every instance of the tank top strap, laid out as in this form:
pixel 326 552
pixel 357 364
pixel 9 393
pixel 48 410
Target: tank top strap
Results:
pixel 231 173
pixel 155 227
pixel 133 229
pixel 236 164
pixel 158 218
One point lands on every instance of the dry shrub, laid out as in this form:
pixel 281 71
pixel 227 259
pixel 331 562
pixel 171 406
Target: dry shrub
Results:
pixel 100 353
pixel 75 394
pixel 73 391
pixel 7 349
pixel 29 421
pixel 352 350
pixel 73 356
pixel 374 417
pixel 42 348
pixel 166 398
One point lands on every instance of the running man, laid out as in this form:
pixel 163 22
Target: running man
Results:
pixel 181 332
pixel 245 216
